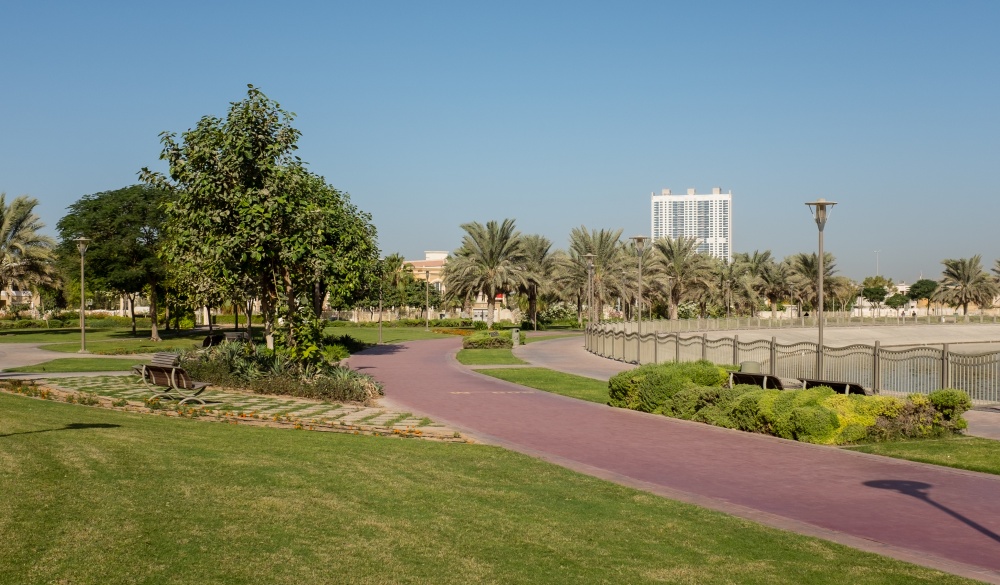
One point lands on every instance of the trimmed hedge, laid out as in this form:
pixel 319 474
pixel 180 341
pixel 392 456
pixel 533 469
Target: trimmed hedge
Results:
pixel 695 391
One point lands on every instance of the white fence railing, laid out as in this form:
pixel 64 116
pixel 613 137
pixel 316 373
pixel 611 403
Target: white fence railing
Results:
pixel 893 371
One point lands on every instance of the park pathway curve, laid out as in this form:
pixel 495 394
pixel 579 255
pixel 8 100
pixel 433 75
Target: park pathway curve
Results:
pixel 933 516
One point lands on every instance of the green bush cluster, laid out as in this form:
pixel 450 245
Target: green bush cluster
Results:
pixel 651 388
pixel 491 340
pixel 696 391
pixel 264 371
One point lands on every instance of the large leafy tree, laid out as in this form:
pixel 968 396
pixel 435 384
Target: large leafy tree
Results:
pixel 248 215
pixel 26 256
pixel 964 282
pixel 124 227
pixel 923 289
pixel 489 262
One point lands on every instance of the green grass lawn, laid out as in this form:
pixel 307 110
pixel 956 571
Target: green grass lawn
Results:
pixel 556 382
pixel 98 496
pixel 489 357
pixel 106 341
pixel 972 453
pixel 389 334
pixel 80 365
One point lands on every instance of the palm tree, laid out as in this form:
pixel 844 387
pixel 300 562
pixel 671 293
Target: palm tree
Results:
pixel 963 282
pixel 805 275
pixel 397 275
pixel 679 272
pixel 489 262
pixel 539 266
pixel 608 260
pixel 25 255
pixel 776 284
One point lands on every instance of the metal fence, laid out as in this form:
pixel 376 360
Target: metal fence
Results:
pixel 764 321
pixel 896 371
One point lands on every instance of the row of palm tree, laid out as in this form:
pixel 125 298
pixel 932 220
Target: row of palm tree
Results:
pixel 602 268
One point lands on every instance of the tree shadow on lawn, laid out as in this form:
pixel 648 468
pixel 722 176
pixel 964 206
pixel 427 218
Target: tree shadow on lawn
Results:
pixel 69 427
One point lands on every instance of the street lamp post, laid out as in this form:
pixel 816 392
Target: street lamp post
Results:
pixel 590 287
pixel 640 243
pixel 427 300
pixel 81 245
pixel 820 211
pixel 381 279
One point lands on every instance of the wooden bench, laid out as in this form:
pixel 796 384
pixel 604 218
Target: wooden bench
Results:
pixel 230 337
pixel 846 387
pixel 494 334
pixel 178 382
pixel 163 359
pixel 765 381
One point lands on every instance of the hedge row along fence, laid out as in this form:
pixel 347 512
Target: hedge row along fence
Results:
pixel 697 391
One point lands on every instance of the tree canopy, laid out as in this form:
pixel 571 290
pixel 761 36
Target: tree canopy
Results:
pixel 124 227
pixel 249 217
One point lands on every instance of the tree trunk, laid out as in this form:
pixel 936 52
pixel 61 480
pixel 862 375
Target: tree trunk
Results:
pixel 154 334
pixel 286 279
pixel 491 303
pixel 533 309
pixel 131 304
pixel 208 315
pixel 236 316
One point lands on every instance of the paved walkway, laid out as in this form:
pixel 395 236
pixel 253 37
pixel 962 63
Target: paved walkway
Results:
pixel 933 516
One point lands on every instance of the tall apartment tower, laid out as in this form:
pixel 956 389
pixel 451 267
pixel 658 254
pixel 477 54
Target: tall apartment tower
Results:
pixel 707 218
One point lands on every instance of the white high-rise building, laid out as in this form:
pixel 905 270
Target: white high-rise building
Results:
pixel 707 218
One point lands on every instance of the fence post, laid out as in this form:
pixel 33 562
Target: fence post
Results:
pixel 677 348
pixel 877 371
pixel 736 349
pixel 774 355
pixel 704 346
pixel 945 369
pixel 656 348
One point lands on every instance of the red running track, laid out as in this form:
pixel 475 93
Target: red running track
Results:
pixel 934 516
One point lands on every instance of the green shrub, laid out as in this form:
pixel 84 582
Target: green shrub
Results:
pixel 651 387
pixel 951 403
pixel 657 391
pixel 753 411
pixel 491 340
pixel 812 424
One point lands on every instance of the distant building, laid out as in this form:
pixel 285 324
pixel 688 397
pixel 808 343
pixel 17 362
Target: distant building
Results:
pixel 706 217
pixel 431 268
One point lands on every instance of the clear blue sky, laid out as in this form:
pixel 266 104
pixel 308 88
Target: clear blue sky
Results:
pixel 558 114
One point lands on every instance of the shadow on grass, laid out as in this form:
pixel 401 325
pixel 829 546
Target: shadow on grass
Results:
pixel 918 489
pixel 69 427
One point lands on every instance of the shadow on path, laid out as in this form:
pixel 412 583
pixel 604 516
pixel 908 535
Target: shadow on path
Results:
pixel 918 489
pixel 69 427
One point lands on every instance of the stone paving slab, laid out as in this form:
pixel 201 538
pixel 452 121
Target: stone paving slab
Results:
pixel 130 393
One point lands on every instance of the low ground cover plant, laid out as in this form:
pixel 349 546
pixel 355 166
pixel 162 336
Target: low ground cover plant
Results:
pixel 696 391
pixel 279 371
pixel 491 340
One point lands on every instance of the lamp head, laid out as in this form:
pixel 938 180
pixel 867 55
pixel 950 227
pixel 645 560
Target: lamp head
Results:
pixel 820 210
pixel 640 242
pixel 81 244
